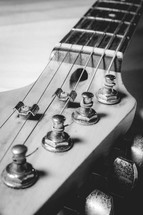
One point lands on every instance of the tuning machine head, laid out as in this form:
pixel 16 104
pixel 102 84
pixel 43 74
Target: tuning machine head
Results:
pixel 57 140
pixel 19 174
pixel 137 151
pixel 86 115
pixel 123 176
pixel 106 94
pixel 99 203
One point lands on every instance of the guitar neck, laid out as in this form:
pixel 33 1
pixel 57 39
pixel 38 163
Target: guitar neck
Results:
pixel 61 93
pixel 107 26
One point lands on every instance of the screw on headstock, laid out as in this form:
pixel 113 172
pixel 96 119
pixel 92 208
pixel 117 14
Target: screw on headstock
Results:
pixel 57 140
pixel 86 115
pixel 106 94
pixel 19 174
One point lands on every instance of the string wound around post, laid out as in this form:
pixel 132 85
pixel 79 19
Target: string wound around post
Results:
pixel 25 111
pixel 57 140
pixel 19 174
pixel 86 115
pixel 106 94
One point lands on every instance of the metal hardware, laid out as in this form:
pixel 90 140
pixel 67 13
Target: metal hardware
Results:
pixel 108 95
pixel 63 96
pixel 57 140
pixel 137 151
pixel 86 115
pixel 99 203
pixel 24 110
pixel 124 176
pixel 19 174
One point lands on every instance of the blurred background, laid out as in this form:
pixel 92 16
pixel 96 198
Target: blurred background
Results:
pixel 29 29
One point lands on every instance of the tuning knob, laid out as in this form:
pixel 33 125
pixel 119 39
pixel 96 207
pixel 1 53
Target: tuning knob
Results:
pixel 99 203
pixel 19 174
pixel 108 95
pixel 57 140
pixel 85 115
pixel 137 151
pixel 123 177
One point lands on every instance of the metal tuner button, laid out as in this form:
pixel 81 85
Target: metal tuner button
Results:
pixel 19 174
pixel 106 94
pixel 57 140
pixel 97 202
pixel 86 115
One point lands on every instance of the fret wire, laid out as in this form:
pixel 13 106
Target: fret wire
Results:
pixel 91 55
pixel 40 117
pixel 86 66
pixel 108 70
pixel 100 18
pixel 120 2
pixel 111 40
pixel 34 126
pixel 116 10
pixel 106 19
pixel 36 82
pixel 108 45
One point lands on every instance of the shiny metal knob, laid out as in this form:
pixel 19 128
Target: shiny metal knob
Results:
pixel 137 151
pixel 19 174
pixel 124 176
pixel 99 203
pixel 57 140
pixel 86 115
pixel 106 94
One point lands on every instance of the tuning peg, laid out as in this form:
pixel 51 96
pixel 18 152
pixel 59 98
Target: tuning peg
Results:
pixel 86 115
pixel 106 94
pixel 19 174
pixel 57 140
pixel 98 202
pixel 137 150
pixel 123 177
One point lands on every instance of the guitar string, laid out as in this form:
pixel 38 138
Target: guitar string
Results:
pixel 36 125
pixel 98 64
pixel 39 78
pixel 28 91
pixel 121 42
pixel 40 117
pixel 38 101
pixel 117 49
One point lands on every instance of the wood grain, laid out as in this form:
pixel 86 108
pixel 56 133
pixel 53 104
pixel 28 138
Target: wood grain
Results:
pixel 59 173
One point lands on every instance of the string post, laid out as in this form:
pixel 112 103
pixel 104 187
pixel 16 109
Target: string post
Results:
pixel 85 115
pixel 19 174
pixel 107 94
pixel 57 140
pixel 26 111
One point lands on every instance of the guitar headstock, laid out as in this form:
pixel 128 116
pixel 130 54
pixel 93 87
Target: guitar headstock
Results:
pixel 76 108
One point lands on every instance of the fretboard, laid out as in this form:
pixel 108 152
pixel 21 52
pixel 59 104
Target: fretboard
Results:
pixel 106 25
